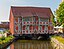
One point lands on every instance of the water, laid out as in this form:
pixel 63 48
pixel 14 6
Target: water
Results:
pixel 31 44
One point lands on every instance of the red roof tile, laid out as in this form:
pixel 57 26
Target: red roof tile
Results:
pixel 4 25
pixel 31 11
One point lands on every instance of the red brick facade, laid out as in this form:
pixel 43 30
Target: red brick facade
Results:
pixel 11 22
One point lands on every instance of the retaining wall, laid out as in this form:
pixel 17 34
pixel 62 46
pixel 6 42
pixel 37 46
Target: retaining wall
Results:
pixel 56 44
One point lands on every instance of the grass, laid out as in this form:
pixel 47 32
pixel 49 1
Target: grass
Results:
pixel 59 38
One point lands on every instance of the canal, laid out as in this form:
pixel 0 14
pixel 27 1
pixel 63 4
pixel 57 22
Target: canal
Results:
pixel 30 44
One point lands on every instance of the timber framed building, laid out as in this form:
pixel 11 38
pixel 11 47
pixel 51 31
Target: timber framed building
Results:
pixel 30 20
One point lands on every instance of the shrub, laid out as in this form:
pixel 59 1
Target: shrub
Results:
pixel 5 39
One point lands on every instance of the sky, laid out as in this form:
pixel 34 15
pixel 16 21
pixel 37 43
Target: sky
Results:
pixel 6 4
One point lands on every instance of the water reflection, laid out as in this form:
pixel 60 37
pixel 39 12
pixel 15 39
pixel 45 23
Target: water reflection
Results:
pixel 28 44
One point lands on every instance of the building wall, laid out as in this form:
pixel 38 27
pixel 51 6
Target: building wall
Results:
pixel 11 23
pixel 28 27
pixel 17 25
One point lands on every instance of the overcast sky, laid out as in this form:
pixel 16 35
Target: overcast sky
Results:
pixel 6 4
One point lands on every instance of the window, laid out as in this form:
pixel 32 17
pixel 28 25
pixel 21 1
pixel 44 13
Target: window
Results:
pixel 27 19
pixel 20 19
pixel 40 27
pixel 46 27
pixel 44 20
pixel 27 27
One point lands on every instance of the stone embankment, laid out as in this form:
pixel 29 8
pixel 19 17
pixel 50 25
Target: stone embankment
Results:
pixel 56 44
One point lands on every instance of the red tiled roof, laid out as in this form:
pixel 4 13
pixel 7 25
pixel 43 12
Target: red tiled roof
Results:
pixel 31 11
pixel 4 25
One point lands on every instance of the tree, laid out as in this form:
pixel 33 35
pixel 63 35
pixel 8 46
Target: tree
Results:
pixel 60 15
pixel 53 21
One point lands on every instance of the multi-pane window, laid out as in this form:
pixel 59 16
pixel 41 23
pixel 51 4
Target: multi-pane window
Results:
pixel 40 27
pixel 43 20
pixel 27 27
pixel 46 27
pixel 27 19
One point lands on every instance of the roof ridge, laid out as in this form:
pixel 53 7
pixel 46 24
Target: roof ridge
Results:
pixel 28 7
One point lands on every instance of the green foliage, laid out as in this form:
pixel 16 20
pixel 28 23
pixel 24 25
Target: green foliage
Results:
pixel 53 21
pixel 4 40
pixel 60 13
pixel 7 31
pixel 1 32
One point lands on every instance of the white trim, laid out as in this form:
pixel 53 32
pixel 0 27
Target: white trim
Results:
pixel 58 27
